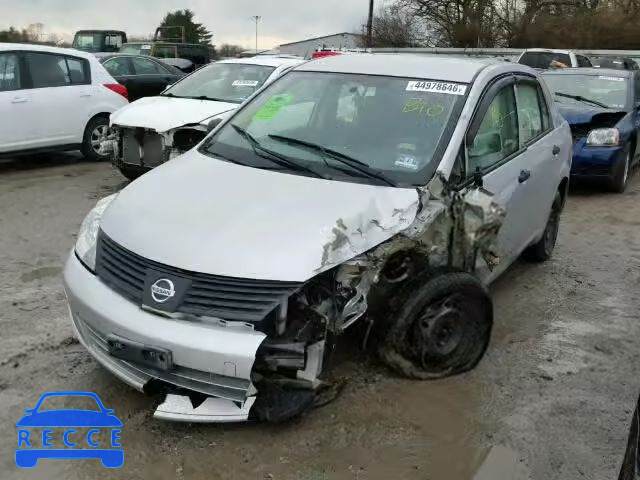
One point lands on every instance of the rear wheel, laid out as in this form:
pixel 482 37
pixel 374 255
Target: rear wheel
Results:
pixel 443 328
pixel 618 183
pixel 96 131
pixel 543 248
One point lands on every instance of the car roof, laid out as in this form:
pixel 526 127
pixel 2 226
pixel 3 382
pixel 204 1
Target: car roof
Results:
pixel 267 61
pixel 171 44
pixel 548 50
pixel 45 49
pixel 609 72
pixel 100 31
pixel 437 67
pixel 106 56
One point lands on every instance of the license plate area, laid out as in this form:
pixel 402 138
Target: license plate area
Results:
pixel 154 357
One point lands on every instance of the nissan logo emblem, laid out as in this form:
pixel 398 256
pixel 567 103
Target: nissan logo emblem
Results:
pixel 162 290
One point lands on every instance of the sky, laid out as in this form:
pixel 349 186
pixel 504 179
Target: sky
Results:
pixel 229 20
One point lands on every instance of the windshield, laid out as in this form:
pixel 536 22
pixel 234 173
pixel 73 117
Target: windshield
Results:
pixel 136 48
pixel 88 41
pixel 362 128
pixel 225 82
pixel 606 90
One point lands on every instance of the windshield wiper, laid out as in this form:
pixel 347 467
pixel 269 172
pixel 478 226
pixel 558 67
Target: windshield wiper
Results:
pixel 205 97
pixel 354 163
pixel 580 98
pixel 199 97
pixel 273 156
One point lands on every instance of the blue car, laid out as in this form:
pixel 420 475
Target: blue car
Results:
pixel 602 108
pixel 32 448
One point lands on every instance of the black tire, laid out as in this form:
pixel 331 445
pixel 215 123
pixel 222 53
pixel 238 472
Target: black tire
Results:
pixel 542 250
pixel 96 127
pixel 442 328
pixel 620 179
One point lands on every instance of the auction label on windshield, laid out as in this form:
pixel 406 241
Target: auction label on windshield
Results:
pixel 245 83
pixel 614 79
pixel 437 87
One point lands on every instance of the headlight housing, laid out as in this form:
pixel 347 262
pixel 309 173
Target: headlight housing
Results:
pixel 88 234
pixel 603 137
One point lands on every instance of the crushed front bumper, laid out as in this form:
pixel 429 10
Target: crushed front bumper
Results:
pixel 594 162
pixel 211 359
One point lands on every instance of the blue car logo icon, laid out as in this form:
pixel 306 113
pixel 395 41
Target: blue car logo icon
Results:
pixel 32 447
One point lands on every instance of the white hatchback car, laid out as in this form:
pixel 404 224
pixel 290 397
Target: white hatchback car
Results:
pixel 54 99
pixel 387 190
pixel 152 130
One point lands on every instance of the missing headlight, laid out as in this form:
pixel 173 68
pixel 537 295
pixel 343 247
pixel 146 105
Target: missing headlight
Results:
pixel 187 138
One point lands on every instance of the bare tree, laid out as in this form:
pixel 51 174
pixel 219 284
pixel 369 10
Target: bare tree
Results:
pixel 229 50
pixel 396 26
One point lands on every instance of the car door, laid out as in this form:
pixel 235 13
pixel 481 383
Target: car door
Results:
pixel 541 154
pixel 15 103
pixel 60 97
pixel 635 80
pixel 493 152
pixel 150 78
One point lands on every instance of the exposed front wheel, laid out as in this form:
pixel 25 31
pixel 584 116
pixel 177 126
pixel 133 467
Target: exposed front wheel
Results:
pixel 443 328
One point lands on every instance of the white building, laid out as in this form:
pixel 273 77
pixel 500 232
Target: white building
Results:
pixel 305 48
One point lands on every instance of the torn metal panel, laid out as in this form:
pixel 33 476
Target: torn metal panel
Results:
pixel 179 408
pixel 449 230
pixel 351 236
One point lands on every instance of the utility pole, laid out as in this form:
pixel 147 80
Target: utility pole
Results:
pixel 370 25
pixel 257 19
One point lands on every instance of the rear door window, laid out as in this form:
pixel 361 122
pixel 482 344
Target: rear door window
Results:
pixel 118 66
pixel 50 70
pixel 10 78
pixel 583 61
pixel 144 66
pixel 530 121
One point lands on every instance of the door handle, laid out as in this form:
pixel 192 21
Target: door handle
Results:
pixel 555 150
pixel 524 176
pixel 20 100
pixel 85 94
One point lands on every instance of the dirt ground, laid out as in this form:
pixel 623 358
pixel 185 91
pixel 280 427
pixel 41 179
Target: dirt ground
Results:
pixel 551 400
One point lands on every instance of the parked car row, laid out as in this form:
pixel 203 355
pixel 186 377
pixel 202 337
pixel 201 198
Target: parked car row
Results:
pixel 300 198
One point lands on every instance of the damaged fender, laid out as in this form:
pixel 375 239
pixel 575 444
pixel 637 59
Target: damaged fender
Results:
pixel 450 230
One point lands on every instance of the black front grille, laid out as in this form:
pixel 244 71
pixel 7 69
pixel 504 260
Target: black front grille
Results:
pixel 227 298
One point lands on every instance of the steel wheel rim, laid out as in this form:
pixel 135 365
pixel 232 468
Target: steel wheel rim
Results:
pixel 97 135
pixel 625 172
pixel 438 330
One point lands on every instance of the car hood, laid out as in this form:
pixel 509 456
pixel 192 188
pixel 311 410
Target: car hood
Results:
pixel 578 115
pixel 165 113
pixel 205 215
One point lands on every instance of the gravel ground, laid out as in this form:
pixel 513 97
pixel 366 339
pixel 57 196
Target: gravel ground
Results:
pixel 551 400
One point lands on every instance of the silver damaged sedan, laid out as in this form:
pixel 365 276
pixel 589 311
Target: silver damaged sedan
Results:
pixel 379 193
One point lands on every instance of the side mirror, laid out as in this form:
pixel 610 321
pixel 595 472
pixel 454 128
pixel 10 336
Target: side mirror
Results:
pixel 213 124
pixel 485 144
